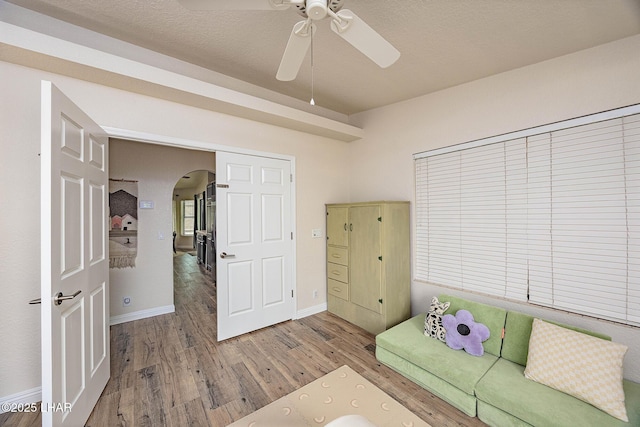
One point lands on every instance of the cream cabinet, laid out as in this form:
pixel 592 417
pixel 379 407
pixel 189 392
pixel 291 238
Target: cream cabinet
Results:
pixel 368 263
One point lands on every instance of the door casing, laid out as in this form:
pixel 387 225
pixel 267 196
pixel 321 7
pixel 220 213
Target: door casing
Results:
pixel 170 141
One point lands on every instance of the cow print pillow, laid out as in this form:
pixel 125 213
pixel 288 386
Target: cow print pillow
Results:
pixel 433 320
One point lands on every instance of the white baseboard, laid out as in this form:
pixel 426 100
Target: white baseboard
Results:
pixel 310 311
pixel 142 314
pixel 28 396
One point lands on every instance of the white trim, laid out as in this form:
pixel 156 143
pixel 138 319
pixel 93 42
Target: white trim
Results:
pixel 294 240
pixel 171 141
pixel 23 397
pixel 191 144
pixel 310 311
pixel 578 121
pixel 142 314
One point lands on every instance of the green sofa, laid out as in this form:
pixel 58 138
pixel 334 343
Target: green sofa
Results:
pixel 492 387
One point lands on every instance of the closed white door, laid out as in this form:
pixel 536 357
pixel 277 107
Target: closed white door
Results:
pixel 74 264
pixel 254 243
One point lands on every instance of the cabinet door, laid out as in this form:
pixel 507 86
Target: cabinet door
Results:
pixel 364 263
pixel 337 218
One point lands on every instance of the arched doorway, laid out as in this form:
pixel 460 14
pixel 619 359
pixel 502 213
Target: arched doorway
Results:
pixel 193 206
pixel 193 209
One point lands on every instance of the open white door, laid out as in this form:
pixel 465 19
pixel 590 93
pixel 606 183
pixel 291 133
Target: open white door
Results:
pixel 74 261
pixel 254 243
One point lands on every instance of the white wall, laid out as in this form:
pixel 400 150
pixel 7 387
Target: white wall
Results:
pixel 321 177
pixel 583 83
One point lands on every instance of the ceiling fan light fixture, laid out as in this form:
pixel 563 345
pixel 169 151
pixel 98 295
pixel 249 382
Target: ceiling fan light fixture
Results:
pixel 316 9
pixel 344 22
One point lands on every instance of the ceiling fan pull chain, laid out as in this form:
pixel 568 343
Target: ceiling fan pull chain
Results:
pixel 312 102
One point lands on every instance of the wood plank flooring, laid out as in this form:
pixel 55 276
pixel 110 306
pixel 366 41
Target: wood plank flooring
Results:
pixel 170 371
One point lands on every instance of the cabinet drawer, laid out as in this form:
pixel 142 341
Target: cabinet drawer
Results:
pixel 337 255
pixel 338 289
pixel 338 272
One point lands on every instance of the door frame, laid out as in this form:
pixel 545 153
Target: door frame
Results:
pixel 191 144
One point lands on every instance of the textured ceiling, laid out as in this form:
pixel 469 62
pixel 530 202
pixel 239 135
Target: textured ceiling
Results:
pixel 443 43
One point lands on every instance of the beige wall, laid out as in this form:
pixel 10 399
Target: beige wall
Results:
pixel 19 234
pixel 378 167
pixel 321 177
pixel 587 82
pixel 157 169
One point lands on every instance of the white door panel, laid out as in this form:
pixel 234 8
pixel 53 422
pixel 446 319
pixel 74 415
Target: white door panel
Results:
pixel 73 372
pixel 99 328
pixel 272 217
pixel 74 218
pixel 255 269
pixel 241 296
pixel 240 209
pixel 273 279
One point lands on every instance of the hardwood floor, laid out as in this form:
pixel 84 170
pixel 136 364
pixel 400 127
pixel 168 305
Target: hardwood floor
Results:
pixel 170 371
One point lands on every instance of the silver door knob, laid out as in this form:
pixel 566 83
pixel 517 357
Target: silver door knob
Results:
pixel 59 298
pixel 226 255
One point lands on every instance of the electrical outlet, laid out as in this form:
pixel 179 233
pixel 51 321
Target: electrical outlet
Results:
pixel 316 233
pixel 315 293
pixel 126 301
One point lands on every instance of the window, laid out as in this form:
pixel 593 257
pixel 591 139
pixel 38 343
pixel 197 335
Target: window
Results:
pixel 551 216
pixel 187 208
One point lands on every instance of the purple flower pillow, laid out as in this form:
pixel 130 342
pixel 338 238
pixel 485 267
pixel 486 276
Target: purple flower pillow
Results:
pixel 465 333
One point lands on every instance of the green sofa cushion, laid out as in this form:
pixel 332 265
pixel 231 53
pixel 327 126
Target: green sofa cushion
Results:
pixel 517 332
pixel 492 317
pixel 458 368
pixel 505 387
pixel 463 401
pixel 494 417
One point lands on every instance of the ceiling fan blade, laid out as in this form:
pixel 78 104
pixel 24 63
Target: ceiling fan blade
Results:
pixel 296 50
pixel 364 38
pixel 236 4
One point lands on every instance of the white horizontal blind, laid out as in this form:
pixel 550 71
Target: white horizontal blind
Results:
pixel 467 235
pixel 631 135
pixel 552 218
pixel 482 219
pixel 516 202
pixel 439 199
pixel 540 251
pixel 588 220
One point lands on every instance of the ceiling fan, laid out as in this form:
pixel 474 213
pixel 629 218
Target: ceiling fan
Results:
pixel 344 22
